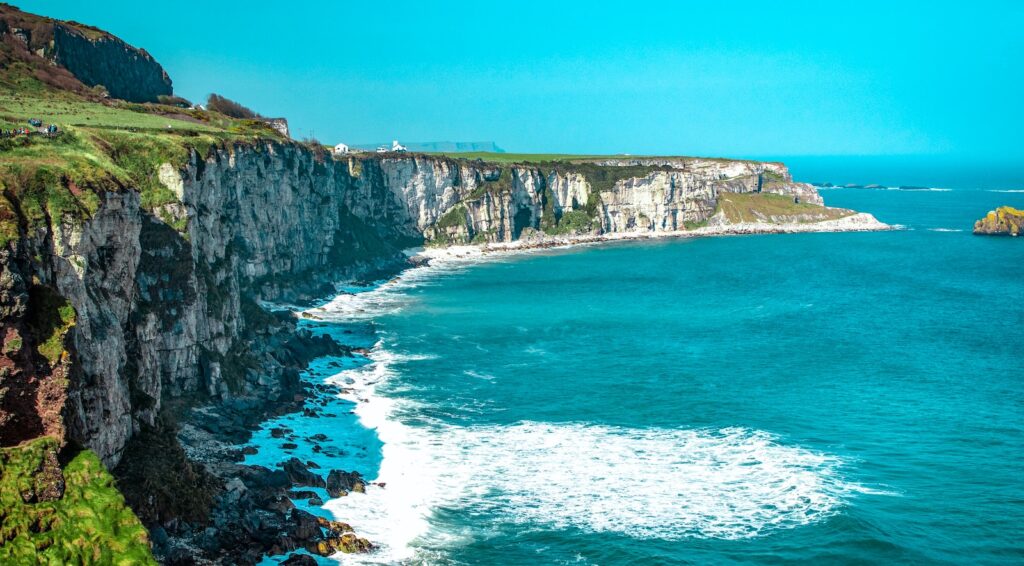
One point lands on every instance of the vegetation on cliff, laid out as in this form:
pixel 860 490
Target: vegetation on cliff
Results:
pixel 103 145
pixel 768 207
pixel 73 515
pixel 1005 220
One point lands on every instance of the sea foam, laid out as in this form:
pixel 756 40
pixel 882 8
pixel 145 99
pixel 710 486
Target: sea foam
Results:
pixel 660 483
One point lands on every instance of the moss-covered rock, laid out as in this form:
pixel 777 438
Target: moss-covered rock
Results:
pixel 73 515
pixel 1003 221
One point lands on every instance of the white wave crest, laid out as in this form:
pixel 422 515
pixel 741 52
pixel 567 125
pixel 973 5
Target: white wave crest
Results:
pixel 391 296
pixel 945 230
pixel 1006 190
pixel 648 483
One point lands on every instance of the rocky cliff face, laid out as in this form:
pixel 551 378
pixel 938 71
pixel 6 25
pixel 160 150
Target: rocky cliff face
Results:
pixel 1003 221
pixel 161 315
pixel 458 201
pixel 126 72
pixel 91 56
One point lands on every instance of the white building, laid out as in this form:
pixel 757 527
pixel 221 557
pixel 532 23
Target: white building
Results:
pixel 395 146
pixel 341 149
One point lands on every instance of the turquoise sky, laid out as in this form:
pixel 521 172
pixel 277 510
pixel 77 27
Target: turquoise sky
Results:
pixel 711 78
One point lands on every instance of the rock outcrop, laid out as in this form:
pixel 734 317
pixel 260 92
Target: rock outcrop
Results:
pixel 92 57
pixel 1003 221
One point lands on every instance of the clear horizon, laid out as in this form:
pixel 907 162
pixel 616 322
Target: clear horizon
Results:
pixel 736 81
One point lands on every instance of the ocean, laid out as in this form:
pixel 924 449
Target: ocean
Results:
pixel 809 398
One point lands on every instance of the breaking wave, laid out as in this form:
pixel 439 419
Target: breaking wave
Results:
pixel 659 483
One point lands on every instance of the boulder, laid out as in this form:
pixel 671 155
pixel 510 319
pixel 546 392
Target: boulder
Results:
pixel 339 483
pixel 299 474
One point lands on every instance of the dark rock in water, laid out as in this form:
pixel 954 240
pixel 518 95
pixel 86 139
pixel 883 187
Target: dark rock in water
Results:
pixel 299 560
pixel 300 475
pixel 312 465
pixel 279 432
pixel 289 446
pixel 302 494
pixel 1003 221
pixel 316 501
pixel 873 186
pixel 339 483
pixel 319 437
pixel 249 450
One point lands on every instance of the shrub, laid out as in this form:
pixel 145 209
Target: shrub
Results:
pixel 228 107
pixel 174 101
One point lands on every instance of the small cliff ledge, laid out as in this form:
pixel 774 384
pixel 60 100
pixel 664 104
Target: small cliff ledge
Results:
pixel 1003 221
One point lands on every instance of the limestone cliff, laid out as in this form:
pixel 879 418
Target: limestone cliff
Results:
pixel 166 315
pixel 462 201
pixel 163 314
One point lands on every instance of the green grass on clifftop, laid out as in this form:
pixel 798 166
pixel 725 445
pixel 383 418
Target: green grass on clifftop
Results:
pixel 88 524
pixel 104 145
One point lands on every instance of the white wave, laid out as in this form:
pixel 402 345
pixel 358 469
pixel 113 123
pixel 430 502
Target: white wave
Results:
pixel 479 375
pixel 391 296
pixel 945 230
pixel 1005 191
pixel 647 483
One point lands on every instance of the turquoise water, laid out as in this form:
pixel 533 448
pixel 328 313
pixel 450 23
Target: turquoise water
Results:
pixel 839 398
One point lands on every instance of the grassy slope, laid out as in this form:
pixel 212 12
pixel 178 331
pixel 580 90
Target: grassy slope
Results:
pixel 762 207
pixel 104 146
pixel 90 524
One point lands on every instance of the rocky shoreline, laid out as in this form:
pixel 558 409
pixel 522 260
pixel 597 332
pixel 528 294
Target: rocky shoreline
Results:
pixel 253 514
pixel 859 222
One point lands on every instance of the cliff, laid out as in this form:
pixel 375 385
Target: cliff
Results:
pixel 1003 221
pixel 458 201
pixel 80 54
pixel 165 314
pixel 158 298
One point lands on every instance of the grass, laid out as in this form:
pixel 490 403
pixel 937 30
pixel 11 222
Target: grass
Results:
pixel 767 207
pixel 89 524
pixel 63 110
pixel 103 146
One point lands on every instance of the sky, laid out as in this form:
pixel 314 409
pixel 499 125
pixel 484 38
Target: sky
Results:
pixel 738 79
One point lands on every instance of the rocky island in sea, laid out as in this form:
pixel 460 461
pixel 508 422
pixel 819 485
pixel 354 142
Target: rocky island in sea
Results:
pixel 1003 221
